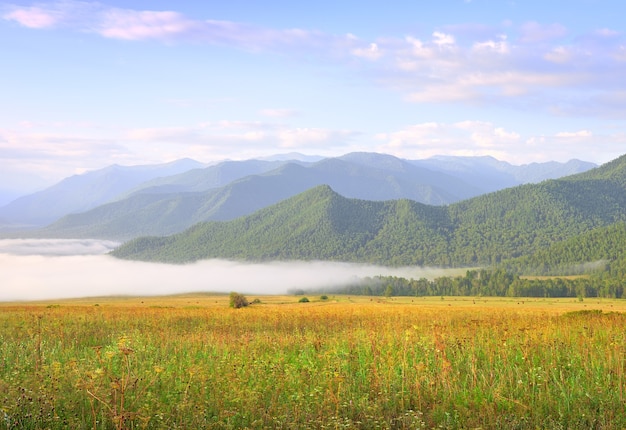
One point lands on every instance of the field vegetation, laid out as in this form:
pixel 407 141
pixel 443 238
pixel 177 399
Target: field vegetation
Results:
pixel 194 361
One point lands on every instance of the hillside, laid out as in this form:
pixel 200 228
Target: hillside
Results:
pixel 483 230
pixel 317 224
pixel 594 249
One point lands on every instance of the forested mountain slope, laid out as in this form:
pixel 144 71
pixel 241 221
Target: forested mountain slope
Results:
pixel 482 230
pixel 316 224
pixel 592 250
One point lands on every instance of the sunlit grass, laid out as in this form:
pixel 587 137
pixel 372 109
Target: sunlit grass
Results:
pixel 191 361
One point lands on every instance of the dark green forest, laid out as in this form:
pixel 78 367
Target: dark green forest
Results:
pixel 602 275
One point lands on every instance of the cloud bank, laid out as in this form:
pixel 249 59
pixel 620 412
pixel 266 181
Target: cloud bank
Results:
pixel 219 140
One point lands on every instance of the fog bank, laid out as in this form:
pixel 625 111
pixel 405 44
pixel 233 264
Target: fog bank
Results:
pixel 47 269
pixel 56 246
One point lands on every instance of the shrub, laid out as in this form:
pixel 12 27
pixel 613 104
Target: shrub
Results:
pixel 238 300
pixel 324 297
pixel 303 300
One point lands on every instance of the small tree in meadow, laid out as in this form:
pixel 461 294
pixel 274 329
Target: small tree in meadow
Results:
pixel 389 291
pixel 238 300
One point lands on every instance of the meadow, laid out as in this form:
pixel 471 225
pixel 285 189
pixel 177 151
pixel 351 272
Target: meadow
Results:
pixel 192 362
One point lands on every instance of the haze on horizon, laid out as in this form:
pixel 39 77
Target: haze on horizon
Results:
pixel 89 84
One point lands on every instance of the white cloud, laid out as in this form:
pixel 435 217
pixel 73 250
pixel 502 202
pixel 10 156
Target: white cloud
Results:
pixel 278 113
pixel 33 17
pixel 559 54
pixel 77 15
pixel 168 134
pixel 313 137
pixel 239 139
pixel 486 85
pixel 502 133
pixel 443 40
pixel 372 52
pixel 479 138
pixel 418 48
pixel 443 93
pixel 575 134
pixel 167 25
pixel 486 135
pixel 500 46
pixel 539 69
pixel 494 71
pixel 138 25
pixel 60 153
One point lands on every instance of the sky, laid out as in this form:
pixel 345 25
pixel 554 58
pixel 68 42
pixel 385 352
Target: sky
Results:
pixel 88 84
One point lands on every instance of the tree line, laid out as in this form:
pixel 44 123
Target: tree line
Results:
pixel 484 282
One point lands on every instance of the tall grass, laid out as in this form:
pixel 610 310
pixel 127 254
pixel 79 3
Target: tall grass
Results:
pixel 315 365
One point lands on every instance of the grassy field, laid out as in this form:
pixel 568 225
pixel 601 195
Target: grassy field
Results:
pixel 192 362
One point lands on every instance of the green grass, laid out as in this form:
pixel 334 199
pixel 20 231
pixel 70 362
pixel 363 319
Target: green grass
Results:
pixel 346 362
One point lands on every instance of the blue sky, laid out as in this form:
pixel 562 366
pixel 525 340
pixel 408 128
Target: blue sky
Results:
pixel 88 84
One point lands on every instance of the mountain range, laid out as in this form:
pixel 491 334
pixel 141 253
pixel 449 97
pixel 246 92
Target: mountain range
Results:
pixel 125 202
pixel 82 192
pixel 320 224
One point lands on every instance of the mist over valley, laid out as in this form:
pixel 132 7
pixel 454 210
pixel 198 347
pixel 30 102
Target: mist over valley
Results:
pixel 36 269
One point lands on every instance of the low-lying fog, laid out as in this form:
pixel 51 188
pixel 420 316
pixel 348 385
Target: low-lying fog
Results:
pixel 39 269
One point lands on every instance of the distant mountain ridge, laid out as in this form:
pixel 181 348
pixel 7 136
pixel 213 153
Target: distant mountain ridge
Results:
pixel 107 203
pixel 205 178
pixel 167 213
pixel 366 176
pixel 82 192
pixel 490 174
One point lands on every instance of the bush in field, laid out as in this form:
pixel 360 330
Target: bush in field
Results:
pixel 303 300
pixel 324 297
pixel 238 300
